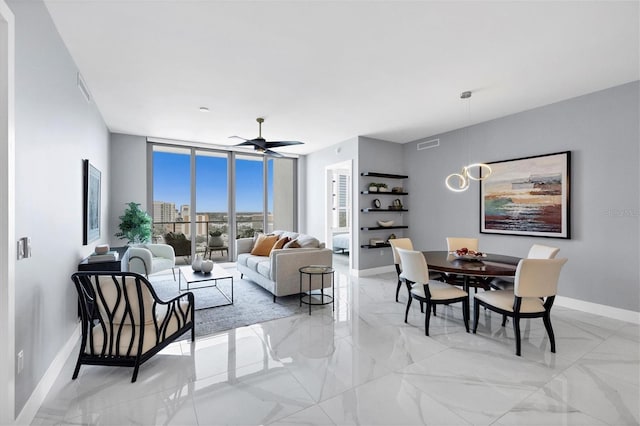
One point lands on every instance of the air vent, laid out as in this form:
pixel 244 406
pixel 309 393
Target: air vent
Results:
pixel 428 144
pixel 83 88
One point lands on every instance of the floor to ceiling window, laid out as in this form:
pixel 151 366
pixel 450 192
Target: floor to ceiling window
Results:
pixel 197 199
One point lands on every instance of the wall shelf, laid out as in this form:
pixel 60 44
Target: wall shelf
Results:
pixel 377 228
pixel 369 246
pixel 383 193
pixel 382 210
pixel 383 175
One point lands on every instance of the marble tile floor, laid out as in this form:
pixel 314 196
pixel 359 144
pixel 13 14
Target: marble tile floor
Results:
pixel 363 365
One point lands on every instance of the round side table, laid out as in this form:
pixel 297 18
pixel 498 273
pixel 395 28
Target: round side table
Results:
pixel 321 271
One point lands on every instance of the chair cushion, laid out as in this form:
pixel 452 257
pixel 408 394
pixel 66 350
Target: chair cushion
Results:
pixel 503 299
pixel 438 290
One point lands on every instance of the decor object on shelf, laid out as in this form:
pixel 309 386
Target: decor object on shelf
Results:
pixel 197 263
pixel 101 249
pixel 135 225
pixel 206 266
pixel 375 242
pixel 392 237
pixel 376 203
pixel 397 189
pixel 373 187
pixel 459 182
pixel 385 223
pixel 528 196
pixel 382 187
pixel 91 205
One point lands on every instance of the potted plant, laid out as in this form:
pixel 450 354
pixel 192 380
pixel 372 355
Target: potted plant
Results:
pixel 373 187
pixel 135 225
pixel 216 238
pixel 382 187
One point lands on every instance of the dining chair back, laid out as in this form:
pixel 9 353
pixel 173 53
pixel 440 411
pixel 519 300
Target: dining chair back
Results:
pixel 455 243
pixel 404 243
pixel 415 273
pixel 532 296
pixel 537 277
pixel 539 251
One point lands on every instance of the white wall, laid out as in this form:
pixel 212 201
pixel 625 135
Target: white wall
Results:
pixel 55 130
pixel 128 179
pixel 602 132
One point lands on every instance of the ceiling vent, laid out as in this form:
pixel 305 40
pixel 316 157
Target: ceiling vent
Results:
pixel 83 88
pixel 428 144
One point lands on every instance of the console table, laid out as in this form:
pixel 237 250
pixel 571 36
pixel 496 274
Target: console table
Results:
pixel 120 265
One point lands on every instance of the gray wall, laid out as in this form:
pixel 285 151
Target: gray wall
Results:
pixel 128 179
pixel 55 129
pixel 382 157
pixel 313 189
pixel 601 131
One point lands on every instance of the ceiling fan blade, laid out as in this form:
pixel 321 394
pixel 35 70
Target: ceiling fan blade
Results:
pixel 247 142
pixel 275 144
pixel 238 137
pixel 273 153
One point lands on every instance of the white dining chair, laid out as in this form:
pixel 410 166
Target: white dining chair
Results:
pixel 537 251
pixel 396 243
pixel 456 243
pixel 415 273
pixel 534 291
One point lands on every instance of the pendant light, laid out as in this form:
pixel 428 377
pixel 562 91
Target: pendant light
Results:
pixel 459 182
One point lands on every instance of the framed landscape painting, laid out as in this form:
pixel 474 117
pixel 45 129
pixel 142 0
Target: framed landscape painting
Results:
pixel 91 202
pixel 527 196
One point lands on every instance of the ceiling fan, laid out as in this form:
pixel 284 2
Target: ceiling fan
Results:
pixel 260 144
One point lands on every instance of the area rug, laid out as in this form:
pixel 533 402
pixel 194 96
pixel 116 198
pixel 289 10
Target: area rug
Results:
pixel 252 304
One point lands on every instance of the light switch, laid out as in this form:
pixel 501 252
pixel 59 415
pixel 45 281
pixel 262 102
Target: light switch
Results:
pixel 20 249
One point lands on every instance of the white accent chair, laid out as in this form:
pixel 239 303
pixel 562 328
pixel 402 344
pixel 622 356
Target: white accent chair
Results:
pixel 415 273
pixel 147 259
pixel 534 291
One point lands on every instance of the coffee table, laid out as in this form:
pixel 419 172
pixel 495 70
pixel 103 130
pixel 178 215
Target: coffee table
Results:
pixel 193 279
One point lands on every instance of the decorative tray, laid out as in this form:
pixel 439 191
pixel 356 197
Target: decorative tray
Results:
pixel 469 256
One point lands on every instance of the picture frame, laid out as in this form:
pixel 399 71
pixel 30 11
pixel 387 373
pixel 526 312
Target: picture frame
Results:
pixel 528 196
pixel 91 202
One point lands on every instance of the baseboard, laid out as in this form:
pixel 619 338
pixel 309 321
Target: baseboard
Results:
pixel 36 399
pixel 597 309
pixel 375 271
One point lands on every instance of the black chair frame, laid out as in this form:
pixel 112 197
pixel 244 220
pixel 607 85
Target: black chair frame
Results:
pixel 516 315
pixel 431 304
pixel 88 299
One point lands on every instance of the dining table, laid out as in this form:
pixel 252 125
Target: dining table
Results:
pixel 481 269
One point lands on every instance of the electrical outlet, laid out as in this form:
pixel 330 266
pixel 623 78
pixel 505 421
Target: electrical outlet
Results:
pixel 20 361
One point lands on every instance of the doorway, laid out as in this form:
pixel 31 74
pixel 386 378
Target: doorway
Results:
pixel 339 214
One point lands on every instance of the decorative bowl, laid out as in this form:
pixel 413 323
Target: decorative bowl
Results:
pixel 473 256
pixel 386 223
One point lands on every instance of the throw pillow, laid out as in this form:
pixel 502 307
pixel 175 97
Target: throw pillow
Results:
pixel 280 243
pixel 263 245
pixel 292 244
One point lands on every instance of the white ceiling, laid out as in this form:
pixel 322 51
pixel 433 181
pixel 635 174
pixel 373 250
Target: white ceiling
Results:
pixel 326 71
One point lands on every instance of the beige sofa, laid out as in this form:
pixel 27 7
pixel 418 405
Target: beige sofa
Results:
pixel 278 273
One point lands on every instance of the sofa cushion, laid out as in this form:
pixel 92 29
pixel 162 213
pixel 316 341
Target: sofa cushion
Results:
pixel 264 268
pixel 242 258
pixel 291 244
pixel 252 262
pixel 280 243
pixel 291 235
pixel 307 241
pixel 263 245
